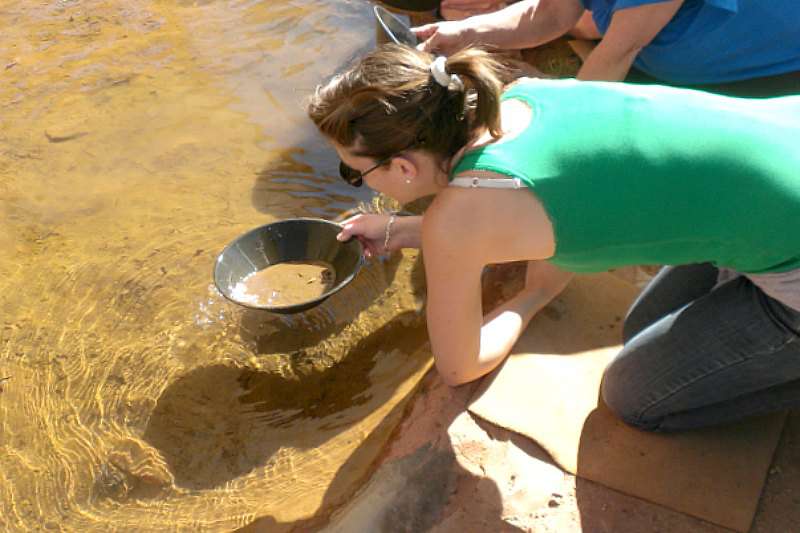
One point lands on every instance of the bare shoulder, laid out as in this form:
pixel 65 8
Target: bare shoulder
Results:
pixel 448 219
pixel 497 224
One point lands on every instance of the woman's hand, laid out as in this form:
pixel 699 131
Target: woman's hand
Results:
pixel 379 236
pixel 369 229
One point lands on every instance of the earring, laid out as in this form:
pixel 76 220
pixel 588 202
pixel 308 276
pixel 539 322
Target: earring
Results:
pixel 408 181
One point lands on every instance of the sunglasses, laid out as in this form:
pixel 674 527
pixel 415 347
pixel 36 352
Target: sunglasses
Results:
pixel 355 178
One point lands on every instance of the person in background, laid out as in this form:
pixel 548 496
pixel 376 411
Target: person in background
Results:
pixel 584 177
pixel 683 42
pixel 446 9
pixel 461 9
pixel 584 28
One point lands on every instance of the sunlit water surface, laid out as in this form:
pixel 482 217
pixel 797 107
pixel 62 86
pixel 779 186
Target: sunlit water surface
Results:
pixel 137 138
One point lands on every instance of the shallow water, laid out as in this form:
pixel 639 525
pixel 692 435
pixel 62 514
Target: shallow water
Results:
pixel 137 138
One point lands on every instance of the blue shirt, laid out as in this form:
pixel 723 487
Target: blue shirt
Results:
pixel 714 41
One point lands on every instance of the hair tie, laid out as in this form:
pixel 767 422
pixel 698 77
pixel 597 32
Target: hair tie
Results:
pixel 438 70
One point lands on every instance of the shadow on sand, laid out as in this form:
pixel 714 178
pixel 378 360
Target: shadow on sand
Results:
pixel 220 422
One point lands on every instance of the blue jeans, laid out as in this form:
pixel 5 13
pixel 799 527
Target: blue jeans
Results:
pixel 697 357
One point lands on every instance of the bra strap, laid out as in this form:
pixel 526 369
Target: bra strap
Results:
pixel 487 183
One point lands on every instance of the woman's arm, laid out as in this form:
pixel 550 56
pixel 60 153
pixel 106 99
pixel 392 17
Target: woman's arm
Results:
pixel 457 245
pixel 631 29
pixel 521 25
pixel 406 232
pixel 503 326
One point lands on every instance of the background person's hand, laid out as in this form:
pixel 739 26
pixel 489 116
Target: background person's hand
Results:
pixel 369 229
pixel 461 9
pixel 443 38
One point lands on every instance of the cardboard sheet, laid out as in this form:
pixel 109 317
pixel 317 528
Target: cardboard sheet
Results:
pixel 548 390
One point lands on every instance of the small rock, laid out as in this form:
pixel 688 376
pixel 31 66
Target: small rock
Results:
pixel 56 135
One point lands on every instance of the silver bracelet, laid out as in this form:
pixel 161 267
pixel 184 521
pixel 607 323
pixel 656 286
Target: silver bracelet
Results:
pixel 388 233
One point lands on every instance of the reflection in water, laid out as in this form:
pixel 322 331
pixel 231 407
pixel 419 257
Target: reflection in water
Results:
pixel 138 137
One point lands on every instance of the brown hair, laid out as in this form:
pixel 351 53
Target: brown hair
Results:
pixel 389 101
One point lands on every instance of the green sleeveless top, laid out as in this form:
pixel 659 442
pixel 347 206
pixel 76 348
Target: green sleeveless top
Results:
pixel 634 174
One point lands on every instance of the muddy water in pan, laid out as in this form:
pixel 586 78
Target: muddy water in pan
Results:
pixel 137 138
pixel 289 283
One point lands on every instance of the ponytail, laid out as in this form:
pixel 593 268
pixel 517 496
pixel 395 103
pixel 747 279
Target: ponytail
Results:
pixel 484 76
